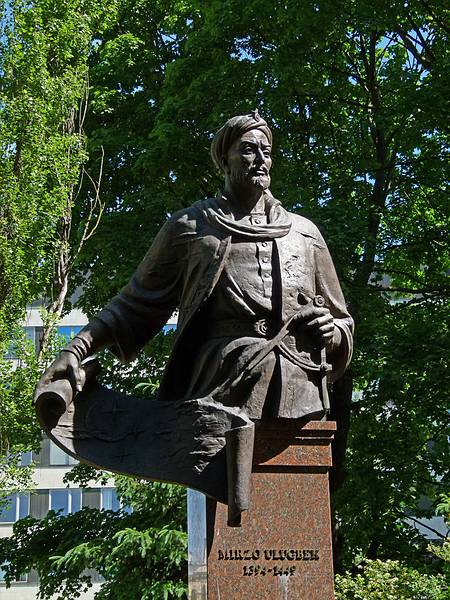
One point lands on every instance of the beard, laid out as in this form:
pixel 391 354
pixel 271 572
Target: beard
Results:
pixel 247 178
pixel 260 181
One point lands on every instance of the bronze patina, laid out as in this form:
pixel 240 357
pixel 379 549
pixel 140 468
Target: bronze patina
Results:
pixel 262 328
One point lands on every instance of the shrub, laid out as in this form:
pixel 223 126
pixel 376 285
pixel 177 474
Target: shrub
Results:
pixel 390 580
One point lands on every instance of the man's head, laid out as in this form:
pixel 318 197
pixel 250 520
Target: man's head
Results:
pixel 242 150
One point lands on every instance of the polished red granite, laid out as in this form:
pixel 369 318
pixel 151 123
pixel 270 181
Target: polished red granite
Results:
pixel 283 549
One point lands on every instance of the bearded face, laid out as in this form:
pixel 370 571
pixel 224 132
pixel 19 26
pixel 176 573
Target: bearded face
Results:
pixel 249 161
pixel 244 175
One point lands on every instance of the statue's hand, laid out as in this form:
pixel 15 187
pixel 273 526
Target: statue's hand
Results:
pixel 318 322
pixel 66 366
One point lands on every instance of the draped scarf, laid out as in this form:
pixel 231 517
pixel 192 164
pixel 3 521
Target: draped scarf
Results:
pixel 219 215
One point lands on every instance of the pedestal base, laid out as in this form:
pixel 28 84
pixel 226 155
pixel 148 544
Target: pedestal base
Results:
pixel 283 549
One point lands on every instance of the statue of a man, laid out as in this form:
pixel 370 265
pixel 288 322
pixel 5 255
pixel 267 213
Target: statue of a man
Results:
pixel 237 267
pixel 261 317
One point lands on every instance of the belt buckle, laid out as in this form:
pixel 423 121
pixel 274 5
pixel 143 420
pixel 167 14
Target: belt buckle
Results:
pixel 261 326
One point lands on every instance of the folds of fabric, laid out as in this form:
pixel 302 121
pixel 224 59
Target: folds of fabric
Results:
pixel 179 442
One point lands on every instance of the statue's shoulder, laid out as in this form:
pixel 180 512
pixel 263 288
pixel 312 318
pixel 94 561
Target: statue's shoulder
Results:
pixel 190 220
pixel 305 227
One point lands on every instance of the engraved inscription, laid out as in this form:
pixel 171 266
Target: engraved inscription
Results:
pixel 269 554
pixel 239 554
pixel 262 570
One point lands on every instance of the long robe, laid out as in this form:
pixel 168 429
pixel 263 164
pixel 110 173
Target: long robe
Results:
pixel 182 269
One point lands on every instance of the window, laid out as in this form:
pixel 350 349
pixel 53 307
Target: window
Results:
pixel 38 335
pixel 29 333
pixel 110 501
pixel 91 498
pixel 25 459
pixel 69 331
pixel 11 351
pixel 22 579
pixel 59 457
pixel 39 504
pixel 12 348
pixel 66 501
pixel 17 507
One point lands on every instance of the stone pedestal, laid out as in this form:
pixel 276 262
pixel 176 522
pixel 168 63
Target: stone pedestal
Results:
pixel 283 549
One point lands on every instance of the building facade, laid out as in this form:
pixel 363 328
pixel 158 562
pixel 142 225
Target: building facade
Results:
pixel 51 464
pixel 50 493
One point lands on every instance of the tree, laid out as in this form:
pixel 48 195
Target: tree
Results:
pixel 140 555
pixel 46 50
pixel 43 96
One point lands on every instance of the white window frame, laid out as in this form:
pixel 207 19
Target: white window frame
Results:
pixel 127 509
pixel 69 460
pixel 69 498
pixel 17 498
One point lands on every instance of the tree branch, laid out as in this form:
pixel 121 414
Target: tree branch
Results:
pixel 409 45
pixel 408 290
pixel 432 14
pixel 95 204
pixel 423 525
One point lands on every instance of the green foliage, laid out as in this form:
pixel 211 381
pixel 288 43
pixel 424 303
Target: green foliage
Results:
pixel 148 366
pixel 443 551
pixel 140 555
pixel 43 80
pixel 18 433
pixel 398 447
pixel 18 427
pixel 390 580
pixel 44 48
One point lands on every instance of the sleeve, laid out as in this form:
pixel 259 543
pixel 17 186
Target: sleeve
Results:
pixel 144 305
pixel 327 285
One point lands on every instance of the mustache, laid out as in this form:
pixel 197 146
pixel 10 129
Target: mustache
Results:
pixel 250 175
pixel 252 172
pixel 258 171
pixel 257 176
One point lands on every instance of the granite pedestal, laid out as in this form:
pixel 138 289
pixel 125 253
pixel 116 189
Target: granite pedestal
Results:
pixel 283 550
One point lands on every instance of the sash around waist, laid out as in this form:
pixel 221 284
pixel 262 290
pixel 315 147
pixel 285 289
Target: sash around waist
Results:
pixel 266 328
pixel 262 328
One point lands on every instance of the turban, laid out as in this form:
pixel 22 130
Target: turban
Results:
pixel 232 130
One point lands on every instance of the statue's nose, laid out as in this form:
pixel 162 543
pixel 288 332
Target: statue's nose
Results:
pixel 259 156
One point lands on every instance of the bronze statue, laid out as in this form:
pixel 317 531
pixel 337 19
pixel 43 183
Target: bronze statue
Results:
pixel 262 327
